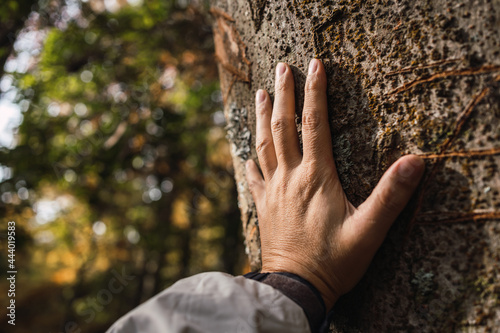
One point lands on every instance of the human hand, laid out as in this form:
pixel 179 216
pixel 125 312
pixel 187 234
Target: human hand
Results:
pixel 307 225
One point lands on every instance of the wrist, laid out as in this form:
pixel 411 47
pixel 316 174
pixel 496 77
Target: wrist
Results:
pixel 299 290
pixel 328 296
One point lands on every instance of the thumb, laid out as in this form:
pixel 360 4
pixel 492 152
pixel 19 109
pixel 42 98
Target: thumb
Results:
pixel 390 196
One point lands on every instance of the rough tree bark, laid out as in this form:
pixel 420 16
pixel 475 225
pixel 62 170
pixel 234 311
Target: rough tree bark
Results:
pixel 417 77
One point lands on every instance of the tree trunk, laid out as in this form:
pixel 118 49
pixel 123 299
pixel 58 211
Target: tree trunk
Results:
pixel 418 77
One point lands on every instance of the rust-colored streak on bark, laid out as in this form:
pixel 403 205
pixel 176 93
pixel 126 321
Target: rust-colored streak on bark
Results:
pixel 397 25
pixel 465 153
pixel 230 52
pixel 412 68
pixel 233 70
pixel 462 72
pixel 444 147
pixel 460 217
pixel 462 119
pixel 219 13
pixel 253 231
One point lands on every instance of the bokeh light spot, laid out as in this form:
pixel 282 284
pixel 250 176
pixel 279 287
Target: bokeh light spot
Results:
pixel 99 228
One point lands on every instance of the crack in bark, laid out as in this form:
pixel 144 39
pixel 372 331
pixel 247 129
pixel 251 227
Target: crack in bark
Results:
pixel 412 68
pixel 257 8
pixel 336 17
pixel 462 72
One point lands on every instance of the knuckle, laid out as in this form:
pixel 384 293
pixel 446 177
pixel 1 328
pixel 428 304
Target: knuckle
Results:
pixel 311 118
pixel 280 124
pixel 252 185
pixel 309 183
pixel 263 143
pixel 310 174
pixel 281 187
pixel 255 186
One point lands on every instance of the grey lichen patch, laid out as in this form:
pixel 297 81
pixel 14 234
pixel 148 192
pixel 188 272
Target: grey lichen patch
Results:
pixel 424 282
pixel 238 132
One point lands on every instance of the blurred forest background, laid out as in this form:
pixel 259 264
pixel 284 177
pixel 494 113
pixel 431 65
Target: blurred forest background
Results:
pixel 118 175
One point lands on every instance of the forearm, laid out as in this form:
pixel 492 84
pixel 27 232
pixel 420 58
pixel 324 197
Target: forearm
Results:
pixel 216 302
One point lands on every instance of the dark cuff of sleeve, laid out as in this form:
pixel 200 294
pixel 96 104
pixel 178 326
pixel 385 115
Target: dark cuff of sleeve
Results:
pixel 298 290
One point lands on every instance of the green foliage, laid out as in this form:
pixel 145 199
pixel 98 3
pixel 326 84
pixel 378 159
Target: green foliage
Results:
pixel 13 13
pixel 119 140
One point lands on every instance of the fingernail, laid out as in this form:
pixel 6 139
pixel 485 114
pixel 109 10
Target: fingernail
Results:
pixel 247 164
pixel 411 167
pixel 313 66
pixel 280 70
pixel 260 96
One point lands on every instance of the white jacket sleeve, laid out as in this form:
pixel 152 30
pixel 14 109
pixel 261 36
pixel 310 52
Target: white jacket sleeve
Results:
pixel 215 302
